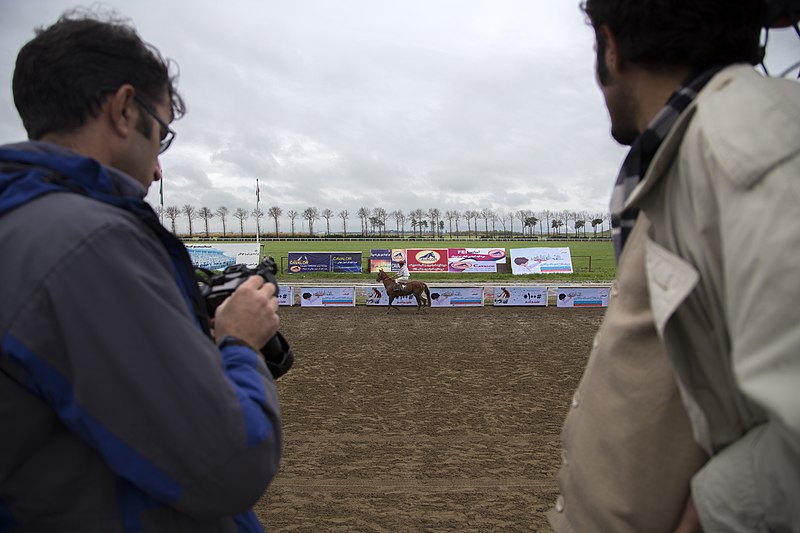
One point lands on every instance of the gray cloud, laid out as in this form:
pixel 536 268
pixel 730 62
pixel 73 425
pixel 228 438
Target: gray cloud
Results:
pixel 453 104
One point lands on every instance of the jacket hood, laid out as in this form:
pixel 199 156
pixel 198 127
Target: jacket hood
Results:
pixel 32 169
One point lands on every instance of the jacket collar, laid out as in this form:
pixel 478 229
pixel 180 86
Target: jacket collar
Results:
pixel 31 169
pixel 666 153
pixel 663 159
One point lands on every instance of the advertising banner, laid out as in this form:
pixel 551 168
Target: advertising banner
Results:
pixel 474 259
pixel 427 260
pixel 378 296
pixel 285 295
pixel 218 256
pixel 541 261
pixel 456 296
pixel 324 262
pixel 582 296
pixel 531 296
pixel 380 260
pixel 346 262
pixel 327 296
pixel 398 255
pixel 309 262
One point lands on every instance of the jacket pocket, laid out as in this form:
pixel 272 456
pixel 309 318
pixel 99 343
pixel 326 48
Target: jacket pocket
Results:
pixel 670 280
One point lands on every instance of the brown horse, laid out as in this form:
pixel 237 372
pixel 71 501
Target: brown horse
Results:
pixel 417 288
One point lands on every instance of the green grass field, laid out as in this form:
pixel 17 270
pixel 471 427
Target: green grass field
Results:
pixel 599 253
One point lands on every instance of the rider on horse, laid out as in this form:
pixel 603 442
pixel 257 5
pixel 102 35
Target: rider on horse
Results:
pixel 402 277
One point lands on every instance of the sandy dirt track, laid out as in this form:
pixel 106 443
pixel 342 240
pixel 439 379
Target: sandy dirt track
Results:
pixel 445 421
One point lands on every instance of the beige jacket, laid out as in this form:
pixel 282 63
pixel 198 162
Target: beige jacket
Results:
pixel 722 257
pixel 628 453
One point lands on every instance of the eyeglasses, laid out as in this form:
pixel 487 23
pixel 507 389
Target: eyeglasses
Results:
pixel 167 134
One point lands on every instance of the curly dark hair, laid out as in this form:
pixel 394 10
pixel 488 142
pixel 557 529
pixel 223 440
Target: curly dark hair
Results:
pixel 665 33
pixel 64 74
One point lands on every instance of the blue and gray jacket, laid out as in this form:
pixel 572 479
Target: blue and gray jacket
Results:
pixel 118 412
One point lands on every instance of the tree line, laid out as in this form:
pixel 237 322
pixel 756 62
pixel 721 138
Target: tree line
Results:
pixel 376 221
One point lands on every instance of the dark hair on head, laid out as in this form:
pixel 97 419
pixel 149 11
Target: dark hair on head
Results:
pixel 64 74
pixel 665 33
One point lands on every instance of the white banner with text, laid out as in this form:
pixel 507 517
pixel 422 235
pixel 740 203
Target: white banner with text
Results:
pixel 514 296
pixel 582 296
pixel 456 296
pixel 541 261
pixel 327 296
pixel 217 256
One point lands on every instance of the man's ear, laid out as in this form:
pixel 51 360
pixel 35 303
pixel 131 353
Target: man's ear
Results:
pixel 607 44
pixel 122 111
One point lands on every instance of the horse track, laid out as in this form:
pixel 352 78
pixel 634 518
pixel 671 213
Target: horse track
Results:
pixel 444 421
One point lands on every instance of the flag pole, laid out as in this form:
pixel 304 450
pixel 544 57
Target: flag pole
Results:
pixel 161 188
pixel 258 223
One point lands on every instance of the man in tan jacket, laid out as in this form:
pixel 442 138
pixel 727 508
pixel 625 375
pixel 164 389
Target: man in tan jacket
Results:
pixel 633 460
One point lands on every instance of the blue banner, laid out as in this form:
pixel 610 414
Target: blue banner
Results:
pixel 309 262
pixel 346 262
pixel 324 262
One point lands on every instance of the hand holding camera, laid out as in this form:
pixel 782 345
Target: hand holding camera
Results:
pixel 249 313
pixel 242 305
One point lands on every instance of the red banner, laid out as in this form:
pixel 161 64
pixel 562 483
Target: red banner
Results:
pixel 427 260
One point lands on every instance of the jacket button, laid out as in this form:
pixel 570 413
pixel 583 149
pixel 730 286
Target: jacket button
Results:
pixel 560 504
pixel 564 458
pixel 576 398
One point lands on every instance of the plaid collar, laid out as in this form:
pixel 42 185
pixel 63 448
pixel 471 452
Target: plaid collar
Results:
pixel 642 151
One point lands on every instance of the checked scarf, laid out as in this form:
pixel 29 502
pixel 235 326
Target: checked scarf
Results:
pixel 641 154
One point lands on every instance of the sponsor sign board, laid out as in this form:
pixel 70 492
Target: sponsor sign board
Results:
pixel 474 259
pixel 519 296
pixel 218 256
pixel 427 260
pixel 380 260
pixel 378 296
pixel 582 296
pixel 327 296
pixel 541 261
pixel 398 254
pixel 346 262
pixel 285 295
pixel 324 262
pixel 456 296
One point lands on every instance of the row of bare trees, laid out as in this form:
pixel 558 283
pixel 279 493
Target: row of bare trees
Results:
pixel 374 221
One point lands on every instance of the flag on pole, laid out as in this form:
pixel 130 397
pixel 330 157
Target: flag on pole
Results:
pixel 258 223
pixel 160 175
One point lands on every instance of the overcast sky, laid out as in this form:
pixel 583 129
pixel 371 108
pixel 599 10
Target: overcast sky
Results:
pixel 342 104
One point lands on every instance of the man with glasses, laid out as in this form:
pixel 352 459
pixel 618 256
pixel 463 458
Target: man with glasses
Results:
pixel 166 134
pixel 120 408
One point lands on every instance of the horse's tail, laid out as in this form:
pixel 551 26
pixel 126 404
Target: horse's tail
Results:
pixel 427 294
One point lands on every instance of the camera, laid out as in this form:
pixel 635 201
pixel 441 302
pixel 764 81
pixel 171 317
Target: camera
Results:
pixel 215 288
